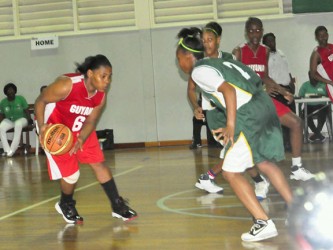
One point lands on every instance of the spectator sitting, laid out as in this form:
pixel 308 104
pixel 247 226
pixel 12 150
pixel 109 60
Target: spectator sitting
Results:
pixel 14 113
pixel 315 88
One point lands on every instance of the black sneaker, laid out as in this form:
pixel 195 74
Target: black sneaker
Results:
pixel 321 138
pixel 122 211
pixel 313 138
pixel 69 212
pixel 195 146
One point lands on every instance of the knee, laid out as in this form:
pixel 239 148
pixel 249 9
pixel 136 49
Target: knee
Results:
pixel 297 123
pixel 228 176
pixel 72 179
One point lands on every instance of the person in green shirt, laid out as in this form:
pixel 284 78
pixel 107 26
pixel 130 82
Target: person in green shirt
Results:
pixel 14 113
pixel 315 88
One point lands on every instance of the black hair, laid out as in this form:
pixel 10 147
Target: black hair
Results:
pixel 266 36
pixel 253 20
pixel 43 87
pixel 92 63
pixel 214 27
pixel 320 28
pixel 190 41
pixel 8 86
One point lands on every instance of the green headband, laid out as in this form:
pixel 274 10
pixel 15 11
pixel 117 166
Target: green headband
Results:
pixel 210 29
pixel 187 48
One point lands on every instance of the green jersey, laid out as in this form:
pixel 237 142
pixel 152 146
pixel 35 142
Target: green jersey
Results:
pixel 256 116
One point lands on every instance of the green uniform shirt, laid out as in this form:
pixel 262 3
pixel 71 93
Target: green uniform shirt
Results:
pixel 14 110
pixel 256 115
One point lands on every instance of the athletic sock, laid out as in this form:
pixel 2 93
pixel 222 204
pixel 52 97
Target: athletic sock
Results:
pixel 211 174
pixel 257 178
pixel 111 191
pixel 65 198
pixel 296 162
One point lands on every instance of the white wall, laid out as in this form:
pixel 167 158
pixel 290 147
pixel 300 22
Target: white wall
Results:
pixel 147 101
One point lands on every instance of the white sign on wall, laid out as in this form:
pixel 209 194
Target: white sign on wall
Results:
pixel 50 42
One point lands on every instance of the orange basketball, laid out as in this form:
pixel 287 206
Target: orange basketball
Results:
pixel 58 139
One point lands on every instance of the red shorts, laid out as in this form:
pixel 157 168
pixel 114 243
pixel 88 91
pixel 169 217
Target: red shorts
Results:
pixel 65 165
pixel 281 109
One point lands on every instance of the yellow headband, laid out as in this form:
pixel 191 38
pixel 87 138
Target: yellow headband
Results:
pixel 187 48
pixel 210 29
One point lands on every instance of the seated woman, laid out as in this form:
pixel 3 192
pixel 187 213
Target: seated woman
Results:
pixel 14 113
pixel 315 88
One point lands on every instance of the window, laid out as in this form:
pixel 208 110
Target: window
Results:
pixel 22 19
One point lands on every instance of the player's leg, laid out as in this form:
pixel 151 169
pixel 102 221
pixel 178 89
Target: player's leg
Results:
pixel 93 155
pixel 294 123
pixel 206 181
pixel 276 177
pixel 197 125
pixel 263 227
pixel 119 205
pixel 260 183
pixel 66 206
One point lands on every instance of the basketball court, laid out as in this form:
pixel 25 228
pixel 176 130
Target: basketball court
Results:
pixel 159 183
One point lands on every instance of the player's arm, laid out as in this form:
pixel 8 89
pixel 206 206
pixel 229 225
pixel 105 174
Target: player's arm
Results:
pixel 227 133
pixel 56 91
pixel 314 61
pixel 90 123
pixel 192 96
pixel 237 53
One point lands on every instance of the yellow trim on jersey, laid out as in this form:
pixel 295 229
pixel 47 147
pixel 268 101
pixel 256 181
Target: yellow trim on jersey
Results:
pixel 241 90
pixel 241 135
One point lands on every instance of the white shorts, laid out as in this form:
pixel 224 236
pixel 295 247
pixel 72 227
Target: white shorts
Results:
pixel 238 157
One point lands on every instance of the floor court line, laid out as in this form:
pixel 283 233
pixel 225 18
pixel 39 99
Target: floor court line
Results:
pixel 58 196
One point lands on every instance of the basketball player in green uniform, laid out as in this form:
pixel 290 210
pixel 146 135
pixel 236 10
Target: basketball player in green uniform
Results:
pixel 250 130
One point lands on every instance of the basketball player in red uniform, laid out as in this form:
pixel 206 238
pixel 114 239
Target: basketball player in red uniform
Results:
pixel 256 56
pixel 77 100
pixel 321 60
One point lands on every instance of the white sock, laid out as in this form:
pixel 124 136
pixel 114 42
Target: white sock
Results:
pixel 297 161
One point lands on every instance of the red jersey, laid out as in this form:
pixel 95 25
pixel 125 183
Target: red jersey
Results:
pixel 76 107
pixel 257 61
pixel 326 56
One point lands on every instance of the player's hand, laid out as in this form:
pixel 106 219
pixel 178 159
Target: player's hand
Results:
pixel 225 134
pixel 289 97
pixel 272 90
pixel 198 113
pixel 77 145
pixel 41 133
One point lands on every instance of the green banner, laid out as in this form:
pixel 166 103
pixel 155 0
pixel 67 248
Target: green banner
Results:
pixel 307 6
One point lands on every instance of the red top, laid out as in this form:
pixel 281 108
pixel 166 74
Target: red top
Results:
pixel 257 61
pixel 76 107
pixel 326 55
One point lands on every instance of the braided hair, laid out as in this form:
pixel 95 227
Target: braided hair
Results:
pixel 190 41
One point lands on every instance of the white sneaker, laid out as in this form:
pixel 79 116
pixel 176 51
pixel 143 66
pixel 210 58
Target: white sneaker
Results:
pixel 10 153
pixel 301 174
pixel 261 189
pixel 261 230
pixel 205 183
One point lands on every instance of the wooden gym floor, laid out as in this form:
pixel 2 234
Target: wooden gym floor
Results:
pixel 159 182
